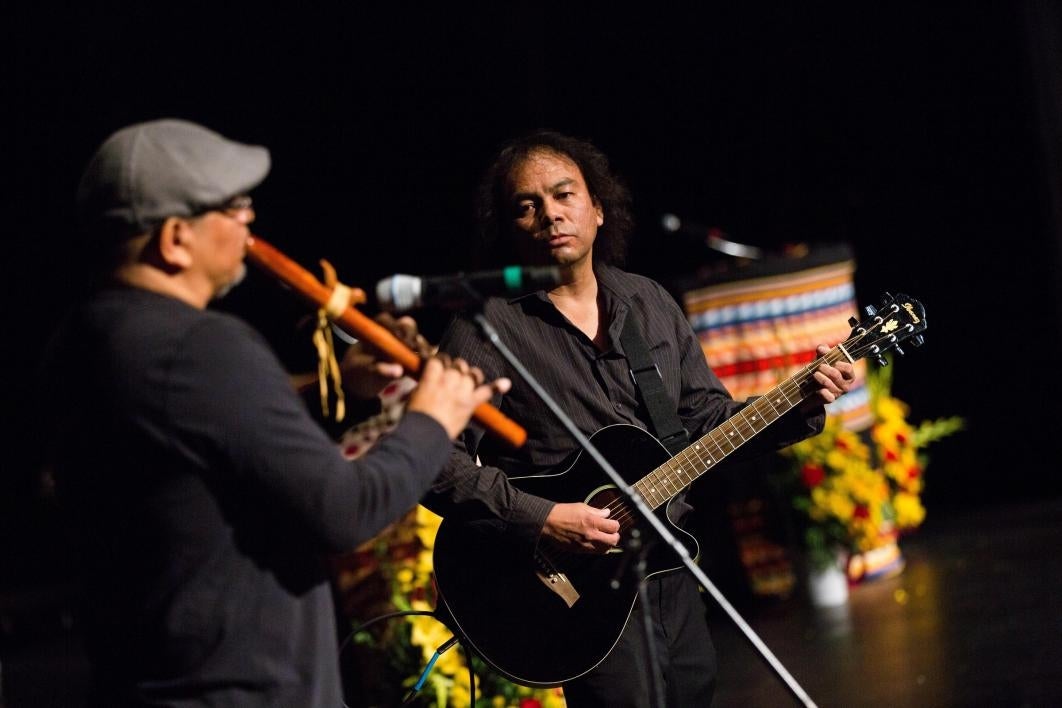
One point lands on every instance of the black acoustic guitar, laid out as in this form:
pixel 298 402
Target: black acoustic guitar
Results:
pixel 545 616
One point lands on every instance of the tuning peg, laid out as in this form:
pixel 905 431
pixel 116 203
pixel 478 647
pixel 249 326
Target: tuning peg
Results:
pixel 870 310
pixel 918 340
pixel 852 322
pixel 882 361
pixel 898 349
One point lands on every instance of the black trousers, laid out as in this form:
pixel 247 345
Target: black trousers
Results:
pixel 683 647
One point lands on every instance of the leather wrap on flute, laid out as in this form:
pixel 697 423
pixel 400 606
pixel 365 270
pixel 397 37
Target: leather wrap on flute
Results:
pixel 352 321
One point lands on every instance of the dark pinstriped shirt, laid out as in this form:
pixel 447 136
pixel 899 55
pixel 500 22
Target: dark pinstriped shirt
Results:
pixel 592 386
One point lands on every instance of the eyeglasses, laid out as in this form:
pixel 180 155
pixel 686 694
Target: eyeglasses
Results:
pixel 240 208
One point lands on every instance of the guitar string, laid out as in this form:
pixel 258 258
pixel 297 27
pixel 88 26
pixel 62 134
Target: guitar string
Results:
pixel 627 515
pixel 748 424
pixel 660 478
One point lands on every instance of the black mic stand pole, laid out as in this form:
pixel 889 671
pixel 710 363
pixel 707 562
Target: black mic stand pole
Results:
pixel 639 549
pixel 491 335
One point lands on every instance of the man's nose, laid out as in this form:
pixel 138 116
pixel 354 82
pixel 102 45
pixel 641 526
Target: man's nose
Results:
pixel 550 212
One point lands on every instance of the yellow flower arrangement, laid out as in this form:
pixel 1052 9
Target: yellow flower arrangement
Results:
pixel 404 562
pixel 857 492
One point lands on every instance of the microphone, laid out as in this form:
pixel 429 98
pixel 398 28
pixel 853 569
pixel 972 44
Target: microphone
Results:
pixel 400 292
pixel 713 237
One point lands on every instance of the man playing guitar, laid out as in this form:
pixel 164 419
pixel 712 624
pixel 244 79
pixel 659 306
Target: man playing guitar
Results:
pixel 550 199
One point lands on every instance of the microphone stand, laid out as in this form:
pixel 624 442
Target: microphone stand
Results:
pixel 634 546
pixel 491 335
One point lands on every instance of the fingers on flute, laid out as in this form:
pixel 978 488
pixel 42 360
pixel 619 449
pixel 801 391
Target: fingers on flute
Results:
pixel 442 362
pixel 432 370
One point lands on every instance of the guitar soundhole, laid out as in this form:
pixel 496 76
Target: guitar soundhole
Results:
pixel 619 507
pixel 608 497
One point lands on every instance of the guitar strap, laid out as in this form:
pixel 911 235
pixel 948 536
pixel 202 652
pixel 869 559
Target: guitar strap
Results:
pixel 650 385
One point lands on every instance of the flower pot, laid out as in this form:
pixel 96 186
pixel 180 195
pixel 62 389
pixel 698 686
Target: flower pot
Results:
pixel 828 586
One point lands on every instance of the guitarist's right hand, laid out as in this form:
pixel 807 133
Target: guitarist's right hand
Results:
pixel 582 528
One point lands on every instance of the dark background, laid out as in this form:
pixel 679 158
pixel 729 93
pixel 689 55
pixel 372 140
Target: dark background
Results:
pixel 925 137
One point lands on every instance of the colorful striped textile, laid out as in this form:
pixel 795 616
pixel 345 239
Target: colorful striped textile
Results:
pixel 759 324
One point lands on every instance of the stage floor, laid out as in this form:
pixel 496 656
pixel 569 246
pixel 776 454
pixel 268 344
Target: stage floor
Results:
pixel 975 619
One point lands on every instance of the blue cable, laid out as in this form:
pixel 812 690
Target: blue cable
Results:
pixel 435 657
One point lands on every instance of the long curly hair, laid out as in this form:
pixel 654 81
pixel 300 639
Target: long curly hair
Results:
pixel 605 187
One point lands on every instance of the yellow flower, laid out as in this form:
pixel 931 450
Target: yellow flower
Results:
pixel 838 505
pixel 429 634
pixel 404 576
pixel 552 698
pixel 427 526
pixel 451 664
pixel 865 487
pixel 459 697
pixel 424 564
pixel 890 409
pixel 423 606
pixel 837 459
pixel 909 510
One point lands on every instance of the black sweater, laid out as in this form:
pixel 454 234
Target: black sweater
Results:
pixel 203 496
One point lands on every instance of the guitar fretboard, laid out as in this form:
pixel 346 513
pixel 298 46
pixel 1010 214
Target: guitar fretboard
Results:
pixel 680 471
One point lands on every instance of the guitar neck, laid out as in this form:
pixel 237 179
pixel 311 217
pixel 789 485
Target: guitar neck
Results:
pixel 680 471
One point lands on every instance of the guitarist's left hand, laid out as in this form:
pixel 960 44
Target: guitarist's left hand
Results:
pixel 366 372
pixel 836 380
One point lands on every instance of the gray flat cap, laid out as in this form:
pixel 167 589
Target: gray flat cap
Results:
pixel 147 172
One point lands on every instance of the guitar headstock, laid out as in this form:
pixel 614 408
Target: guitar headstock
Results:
pixel 896 319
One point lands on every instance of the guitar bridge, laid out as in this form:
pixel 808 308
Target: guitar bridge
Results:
pixel 555 580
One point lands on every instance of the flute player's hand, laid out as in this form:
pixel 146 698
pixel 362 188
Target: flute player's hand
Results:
pixel 450 390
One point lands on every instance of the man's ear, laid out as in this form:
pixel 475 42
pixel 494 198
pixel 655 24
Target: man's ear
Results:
pixel 600 213
pixel 174 241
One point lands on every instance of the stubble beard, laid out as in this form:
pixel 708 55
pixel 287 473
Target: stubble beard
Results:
pixel 225 289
